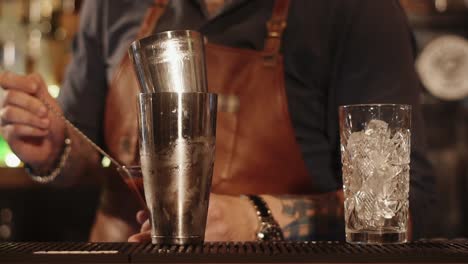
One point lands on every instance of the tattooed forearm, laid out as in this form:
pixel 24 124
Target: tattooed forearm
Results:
pixel 316 217
pixel 300 210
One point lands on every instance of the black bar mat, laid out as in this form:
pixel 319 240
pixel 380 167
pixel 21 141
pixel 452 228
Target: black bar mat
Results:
pixel 448 251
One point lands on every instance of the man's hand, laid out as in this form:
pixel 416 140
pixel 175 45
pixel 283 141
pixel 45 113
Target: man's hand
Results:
pixel 230 218
pixel 33 133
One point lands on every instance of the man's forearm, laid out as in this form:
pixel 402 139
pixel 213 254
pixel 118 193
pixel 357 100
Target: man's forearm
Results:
pixel 309 217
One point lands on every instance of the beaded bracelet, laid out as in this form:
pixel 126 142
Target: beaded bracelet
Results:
pixel 51 176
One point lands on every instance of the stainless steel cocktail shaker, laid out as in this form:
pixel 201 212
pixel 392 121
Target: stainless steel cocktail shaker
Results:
pixel 177 126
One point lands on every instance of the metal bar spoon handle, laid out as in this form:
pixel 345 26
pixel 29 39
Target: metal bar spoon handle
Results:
pixel 121 168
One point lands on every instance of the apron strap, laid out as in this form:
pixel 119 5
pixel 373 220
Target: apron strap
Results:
pixel 151 18
pixel 147 27
pixel 275 27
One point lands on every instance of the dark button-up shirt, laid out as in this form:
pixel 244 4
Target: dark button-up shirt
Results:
pixel 335 53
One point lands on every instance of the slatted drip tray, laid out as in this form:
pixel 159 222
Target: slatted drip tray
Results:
pixel 449 251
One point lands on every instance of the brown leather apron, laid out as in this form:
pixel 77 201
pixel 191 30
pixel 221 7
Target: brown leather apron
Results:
pixel 256 148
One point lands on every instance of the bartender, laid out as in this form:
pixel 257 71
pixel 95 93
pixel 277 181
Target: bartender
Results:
pixel 283 67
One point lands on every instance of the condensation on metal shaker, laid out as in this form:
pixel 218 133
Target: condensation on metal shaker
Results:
pixel 180 179
pixel 177 149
